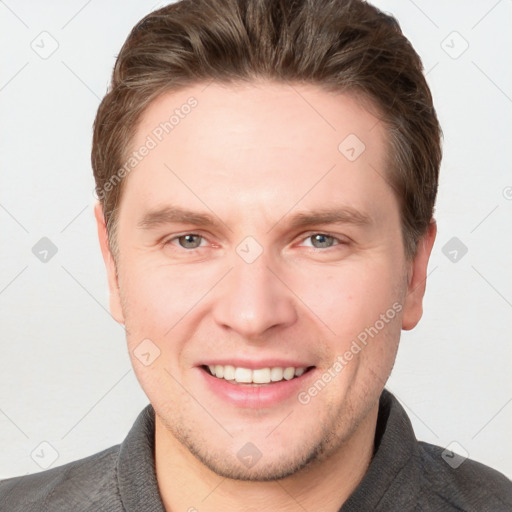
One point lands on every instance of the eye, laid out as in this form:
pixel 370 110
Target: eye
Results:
pixel 188 241
pixel 323 240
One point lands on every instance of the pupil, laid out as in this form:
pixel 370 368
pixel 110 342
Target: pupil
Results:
pixel 188 242
pixel 323 240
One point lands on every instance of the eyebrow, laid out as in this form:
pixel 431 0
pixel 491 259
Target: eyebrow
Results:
pixel 172 214
pixel 342 215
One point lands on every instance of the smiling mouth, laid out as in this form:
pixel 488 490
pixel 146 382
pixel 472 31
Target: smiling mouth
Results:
pixel 255 377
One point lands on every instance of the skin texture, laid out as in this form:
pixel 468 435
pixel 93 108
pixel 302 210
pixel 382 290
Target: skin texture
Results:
pixel 252 156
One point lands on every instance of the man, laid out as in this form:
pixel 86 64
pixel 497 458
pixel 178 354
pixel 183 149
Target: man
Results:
pixel 266 174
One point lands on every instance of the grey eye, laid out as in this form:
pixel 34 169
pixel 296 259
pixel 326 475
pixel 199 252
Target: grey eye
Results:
pixel 321 241
pixel 190 241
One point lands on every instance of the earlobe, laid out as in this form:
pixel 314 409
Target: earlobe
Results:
pixel 413 303
pixel 110 265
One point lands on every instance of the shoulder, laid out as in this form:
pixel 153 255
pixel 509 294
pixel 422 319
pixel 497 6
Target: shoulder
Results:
pixel 82 485
pixel 462 484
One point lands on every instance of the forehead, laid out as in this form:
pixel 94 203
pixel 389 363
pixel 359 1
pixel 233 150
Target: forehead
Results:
pixel 257 144
pixel 258 115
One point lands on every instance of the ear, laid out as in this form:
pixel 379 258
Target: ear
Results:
pixel 115 299
pixel 417 279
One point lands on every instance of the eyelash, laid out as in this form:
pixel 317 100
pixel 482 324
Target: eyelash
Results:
pixel 338 240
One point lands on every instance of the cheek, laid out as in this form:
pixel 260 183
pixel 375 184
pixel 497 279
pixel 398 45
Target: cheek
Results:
pixel 156 298
pixel 158 302
pixel 350 298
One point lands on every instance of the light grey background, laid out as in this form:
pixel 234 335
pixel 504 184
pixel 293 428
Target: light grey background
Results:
pixel 65 376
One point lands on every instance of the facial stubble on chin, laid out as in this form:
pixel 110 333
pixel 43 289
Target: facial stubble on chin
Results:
pixel 333 433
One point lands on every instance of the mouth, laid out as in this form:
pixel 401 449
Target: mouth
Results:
pixel 255 377
pixel 261 385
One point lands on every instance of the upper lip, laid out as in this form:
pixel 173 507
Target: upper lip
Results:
pixel 253 364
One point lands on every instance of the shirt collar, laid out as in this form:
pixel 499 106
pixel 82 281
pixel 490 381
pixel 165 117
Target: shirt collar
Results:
pixel 395 449
pixel 136 473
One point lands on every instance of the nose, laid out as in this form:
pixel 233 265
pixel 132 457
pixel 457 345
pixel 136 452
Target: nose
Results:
pixel 252 300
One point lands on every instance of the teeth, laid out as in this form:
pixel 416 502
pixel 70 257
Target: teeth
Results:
pixel 229 372
pixel 276 374
pixel 258 376
pixel 261 376
pixel 243 375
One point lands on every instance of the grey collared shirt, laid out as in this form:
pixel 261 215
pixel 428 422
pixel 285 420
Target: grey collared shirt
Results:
pixel 404 475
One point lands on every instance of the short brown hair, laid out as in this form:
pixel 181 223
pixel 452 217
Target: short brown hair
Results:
pixel 339 45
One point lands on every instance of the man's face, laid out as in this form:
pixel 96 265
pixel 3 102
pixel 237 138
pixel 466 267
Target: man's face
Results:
pixel 262 285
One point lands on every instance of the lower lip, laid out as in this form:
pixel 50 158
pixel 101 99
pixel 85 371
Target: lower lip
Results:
pixel 255 397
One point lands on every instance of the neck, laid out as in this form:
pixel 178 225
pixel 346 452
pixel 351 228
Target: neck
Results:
pixel 186 484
